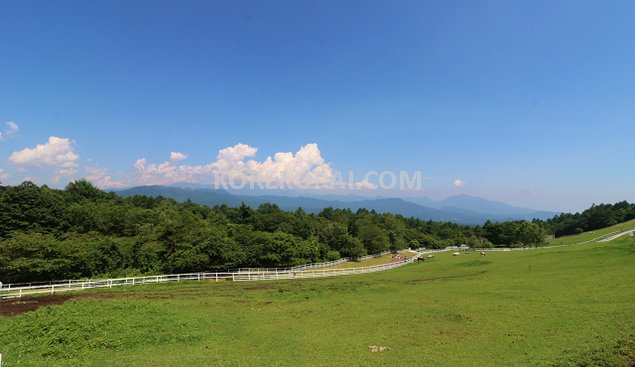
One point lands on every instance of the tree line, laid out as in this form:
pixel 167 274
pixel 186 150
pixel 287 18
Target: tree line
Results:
pixel 82 231
pixel 596 217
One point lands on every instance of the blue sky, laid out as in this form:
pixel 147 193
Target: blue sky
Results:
pixel 532 103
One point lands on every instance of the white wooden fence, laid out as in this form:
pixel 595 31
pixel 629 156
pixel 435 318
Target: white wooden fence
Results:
pixel 315 265
pixel 308 271
pixel 314 273
pixel 320 271
pixel 13 291
pixel 504 249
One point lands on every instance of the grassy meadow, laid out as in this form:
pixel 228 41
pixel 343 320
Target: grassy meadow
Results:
pixel 567 306
pixel 382 260
pixel 591 235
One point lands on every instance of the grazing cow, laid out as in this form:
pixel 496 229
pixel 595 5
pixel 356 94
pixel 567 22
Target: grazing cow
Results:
pixel 456 254
pixel 482 253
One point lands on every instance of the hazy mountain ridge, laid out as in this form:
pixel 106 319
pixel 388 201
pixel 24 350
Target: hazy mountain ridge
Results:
pixel 460 209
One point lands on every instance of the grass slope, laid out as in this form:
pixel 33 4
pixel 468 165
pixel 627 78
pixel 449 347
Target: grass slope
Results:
pixel 591 235
pixel 386 259
pixel 569 306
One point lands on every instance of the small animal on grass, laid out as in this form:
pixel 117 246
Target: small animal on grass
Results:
pixel 456 254
pixel 430 256
pixel 482 253
pixel 377 348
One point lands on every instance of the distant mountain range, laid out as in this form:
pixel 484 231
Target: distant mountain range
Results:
pixel 463 209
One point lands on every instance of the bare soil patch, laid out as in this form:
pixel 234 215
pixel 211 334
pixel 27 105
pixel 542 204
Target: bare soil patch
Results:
pixel 16 306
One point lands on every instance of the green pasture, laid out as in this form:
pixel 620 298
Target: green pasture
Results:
pixel 591 235
pixel 386 259
pixel 566 306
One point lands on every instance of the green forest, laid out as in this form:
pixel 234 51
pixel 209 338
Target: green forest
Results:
pixel 596 217
pixel 82 231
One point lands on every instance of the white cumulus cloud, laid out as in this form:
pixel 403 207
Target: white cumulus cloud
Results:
pixel 169 172
pixel 304 168
pixel 101 178
pixel 11 129
pixel 365 184
pixel 459 183
pixel 56 152
pixel 176 156
pixel 236 167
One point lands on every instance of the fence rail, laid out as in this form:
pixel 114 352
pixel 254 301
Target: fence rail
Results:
pixel 15 291
pixel 315 273
pixel 315 265
pixel 314 270
pixel 308 271
pixel 505 249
